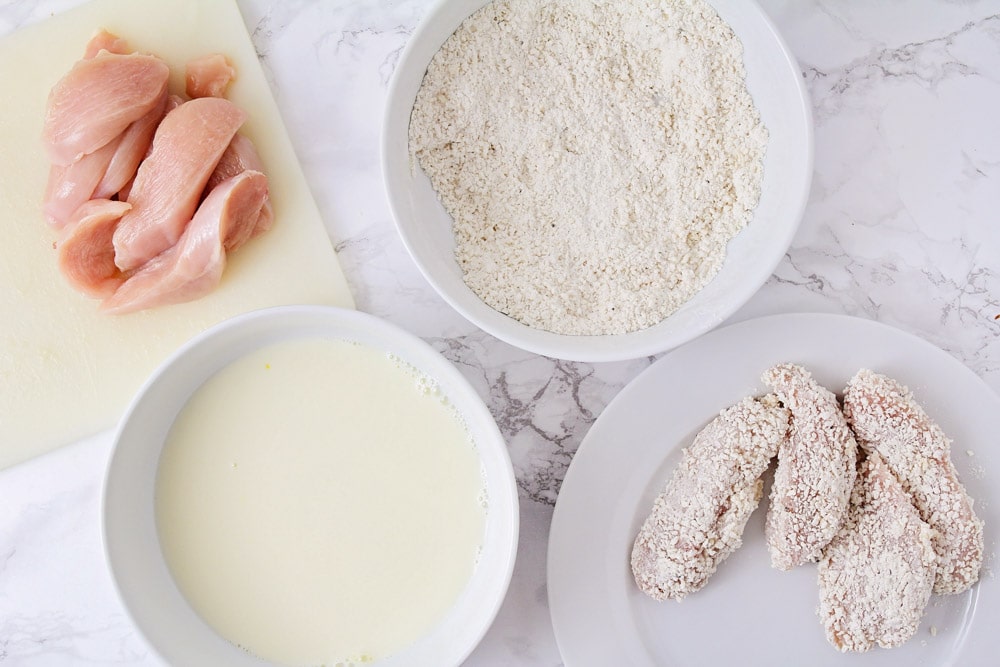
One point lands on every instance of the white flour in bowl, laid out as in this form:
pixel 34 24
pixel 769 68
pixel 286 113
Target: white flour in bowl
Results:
pixel 596 157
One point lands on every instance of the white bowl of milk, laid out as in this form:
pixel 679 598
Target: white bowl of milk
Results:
pixel 308 485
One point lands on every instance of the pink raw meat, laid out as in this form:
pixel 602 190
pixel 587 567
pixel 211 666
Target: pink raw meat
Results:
pixel 105 41
pixel 132 148
pixel 240 156
pixel 86 257
pixel 69 186
pixel 208 76
pixel 193 267
pixel 97 100
pixel 186 149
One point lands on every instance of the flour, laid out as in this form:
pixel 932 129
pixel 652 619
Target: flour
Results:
pixel 596 157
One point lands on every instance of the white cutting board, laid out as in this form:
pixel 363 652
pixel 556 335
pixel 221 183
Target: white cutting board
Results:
pixel 66 370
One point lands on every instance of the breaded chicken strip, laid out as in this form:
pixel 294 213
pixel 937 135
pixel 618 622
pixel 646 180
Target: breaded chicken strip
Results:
pixel 698 519
pixel 887 420
pixel 876 575
pixel 815 473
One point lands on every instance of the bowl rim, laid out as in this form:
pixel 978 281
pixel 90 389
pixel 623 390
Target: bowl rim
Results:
pixel 592 348
pixel 477 615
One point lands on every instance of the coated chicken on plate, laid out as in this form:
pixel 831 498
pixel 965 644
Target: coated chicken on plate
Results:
pixel 698 519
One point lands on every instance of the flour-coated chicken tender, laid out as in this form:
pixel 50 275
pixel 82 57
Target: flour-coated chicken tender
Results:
pixel 887 420
pixel 698 519
pixel 815 473
pixel 876 575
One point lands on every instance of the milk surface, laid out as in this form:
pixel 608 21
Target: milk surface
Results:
pixel 318 501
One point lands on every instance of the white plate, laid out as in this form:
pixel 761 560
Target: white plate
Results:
pixel 137 566
pixel 750 614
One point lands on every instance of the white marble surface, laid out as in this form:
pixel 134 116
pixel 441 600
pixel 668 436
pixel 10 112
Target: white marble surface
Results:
pixel 902 227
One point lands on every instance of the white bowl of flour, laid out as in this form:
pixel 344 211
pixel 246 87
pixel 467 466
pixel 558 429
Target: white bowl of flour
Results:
pixel 596 181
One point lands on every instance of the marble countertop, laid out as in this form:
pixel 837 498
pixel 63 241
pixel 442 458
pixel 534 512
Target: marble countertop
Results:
pixel 901 227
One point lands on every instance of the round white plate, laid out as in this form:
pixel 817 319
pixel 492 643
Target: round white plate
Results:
pixel 137 566
pixel 749 613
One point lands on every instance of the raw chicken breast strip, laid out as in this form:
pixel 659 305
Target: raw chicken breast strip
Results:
pixel 69 186
pixel 208 76
pixel 105 41
pixel 241 155
pixel 815 472
pixel 173 101
pixel 698 519
pixel 193 267
pixel 876 575
pixel 131 149
pixel 186 149
pixel 86 257
pixel 97 99
pixel 888 420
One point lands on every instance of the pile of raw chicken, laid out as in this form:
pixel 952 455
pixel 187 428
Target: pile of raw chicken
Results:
pixel 149 191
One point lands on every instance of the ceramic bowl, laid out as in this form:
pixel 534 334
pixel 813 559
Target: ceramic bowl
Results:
pixel 775 83
pixel 139 570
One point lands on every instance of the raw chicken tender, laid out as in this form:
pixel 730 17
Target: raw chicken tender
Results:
pixel 193 267
pixel 69 186
pixel 85 255
pixel 876 575
pixel 888 420
pixel 815 472
pixel 208 76
pixel 698 519
pixel 240 156
pixel 169 184
pixel 132 147
pixel 105 41
pixel 97 100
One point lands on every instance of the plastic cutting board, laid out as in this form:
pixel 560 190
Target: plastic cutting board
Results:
pixel 66 370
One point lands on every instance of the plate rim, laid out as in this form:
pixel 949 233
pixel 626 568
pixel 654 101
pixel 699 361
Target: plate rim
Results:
pixel 968 644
